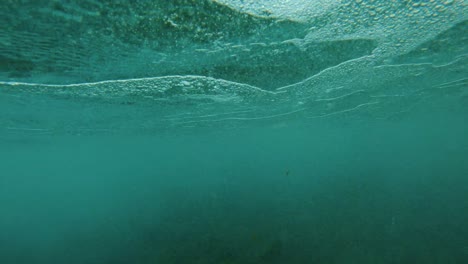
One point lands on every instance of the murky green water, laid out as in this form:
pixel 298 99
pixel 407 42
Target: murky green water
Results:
pixel 233 131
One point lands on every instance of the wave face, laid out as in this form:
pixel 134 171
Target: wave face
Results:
pixel 227 60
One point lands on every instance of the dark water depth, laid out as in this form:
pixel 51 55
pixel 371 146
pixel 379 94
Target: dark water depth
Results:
pixel 386 192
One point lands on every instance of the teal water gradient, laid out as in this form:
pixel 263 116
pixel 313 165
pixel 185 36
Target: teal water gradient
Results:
pixel 360 193
pixel 229 132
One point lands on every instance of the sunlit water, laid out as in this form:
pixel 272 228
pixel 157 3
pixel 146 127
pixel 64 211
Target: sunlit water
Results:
pixel 233 132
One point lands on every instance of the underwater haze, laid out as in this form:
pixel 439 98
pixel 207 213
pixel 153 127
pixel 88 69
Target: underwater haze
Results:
pixel 234 132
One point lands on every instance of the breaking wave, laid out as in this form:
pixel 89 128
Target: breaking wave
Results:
pixel 228 62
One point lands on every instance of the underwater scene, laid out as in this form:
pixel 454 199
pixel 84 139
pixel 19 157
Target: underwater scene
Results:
pixel 233 131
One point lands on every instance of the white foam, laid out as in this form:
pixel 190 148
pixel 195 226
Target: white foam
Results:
pixel 397 26
pixel 297 10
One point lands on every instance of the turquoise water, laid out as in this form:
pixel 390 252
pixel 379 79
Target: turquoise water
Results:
pixel 233 131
